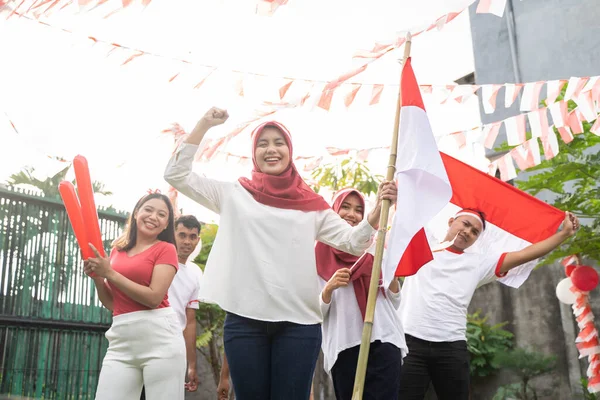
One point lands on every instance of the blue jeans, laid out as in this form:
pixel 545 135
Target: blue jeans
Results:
pixel 271 360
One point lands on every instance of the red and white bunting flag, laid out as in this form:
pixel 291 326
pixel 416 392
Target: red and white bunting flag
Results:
pixel 506 167
pixel 136 54
pixel 570 260
pixel 585 105
pixel 442 93
pixel 172 195
pixel 201 82
pixel 574 122
pixel 334 151
pixel 267 8
pixel 596 93
pixel 351 95
pixel 575 87
pixel 593 374
pixel 362 155
pixel 284 89
pixel 582 299
pixel 591 83
pixel 531 96
pixel 595 129
pixel 565 134
pixel 495 7
pixel 527 155
pixel 493 168
pixel 461 139
pixel 488 97
pixel 553 89
pixel 511 91
pixel 376 94
pixel 538 121
pixel 325 100
pixel 463 93
pixel 313 164
pixel 490 133
pixel 588 348
pixel 514 219
pixel 558 111
pixel 427 89
pixel 587 333
pixel 594 383
pixel 239 85
pixel 550 144
pixel 419 171
pixel 579 311
pixel 515 129
pixel 584 316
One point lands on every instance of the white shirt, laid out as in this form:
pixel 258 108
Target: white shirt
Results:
pixel 436 298
pixel 262 263
pixel 343 323
pixel 184 290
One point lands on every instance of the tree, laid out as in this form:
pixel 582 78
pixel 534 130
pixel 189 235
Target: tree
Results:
pixel 348 172
pixel 527 364
pixel 49 186
pixel 210 316
pixel 573 177
pixel 484 342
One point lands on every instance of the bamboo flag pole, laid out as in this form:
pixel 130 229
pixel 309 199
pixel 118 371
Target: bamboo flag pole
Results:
pixel 363 355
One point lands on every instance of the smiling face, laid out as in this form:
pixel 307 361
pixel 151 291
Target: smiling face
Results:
pixel 351 209
pixel 467 228
pixel 152 218
pixel 187 239
pixel 272 153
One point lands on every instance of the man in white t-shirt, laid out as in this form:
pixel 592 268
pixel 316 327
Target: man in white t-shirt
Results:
pixel 184 290
pixel 435 301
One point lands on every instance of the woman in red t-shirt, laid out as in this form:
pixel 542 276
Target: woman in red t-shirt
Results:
pixel 145 344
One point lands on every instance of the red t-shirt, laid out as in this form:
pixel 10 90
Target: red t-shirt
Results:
pixel 139 268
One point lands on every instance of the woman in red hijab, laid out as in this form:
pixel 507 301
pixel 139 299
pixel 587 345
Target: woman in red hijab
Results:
pixel 345 279
pixel 261 268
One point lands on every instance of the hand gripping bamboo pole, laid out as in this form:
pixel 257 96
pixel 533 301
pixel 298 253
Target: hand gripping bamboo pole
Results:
pixel 363 355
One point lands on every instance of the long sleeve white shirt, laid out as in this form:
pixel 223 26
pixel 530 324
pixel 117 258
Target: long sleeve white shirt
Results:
pixel 262 263
pixel 343 323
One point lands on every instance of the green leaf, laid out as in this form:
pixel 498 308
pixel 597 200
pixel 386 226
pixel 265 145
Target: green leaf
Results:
pixel 204 339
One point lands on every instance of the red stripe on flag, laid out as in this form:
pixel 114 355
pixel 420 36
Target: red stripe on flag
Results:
pixel 411 94
pixel 417 254
pixel 504 205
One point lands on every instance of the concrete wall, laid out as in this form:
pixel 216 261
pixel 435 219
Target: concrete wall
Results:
pixel 555 39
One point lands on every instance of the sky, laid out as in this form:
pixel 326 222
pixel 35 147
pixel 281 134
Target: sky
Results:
pixel 68 96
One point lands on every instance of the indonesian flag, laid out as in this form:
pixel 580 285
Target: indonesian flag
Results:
pixel 514 219
pixel 423 185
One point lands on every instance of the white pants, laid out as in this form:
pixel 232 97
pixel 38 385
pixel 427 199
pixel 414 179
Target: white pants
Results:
pixel 144 348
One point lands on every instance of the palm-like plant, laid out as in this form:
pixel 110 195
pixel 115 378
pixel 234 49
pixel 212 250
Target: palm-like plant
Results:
pixel 39 221
pixel 49 186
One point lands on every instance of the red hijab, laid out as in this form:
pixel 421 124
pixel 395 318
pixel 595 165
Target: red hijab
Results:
pixel 286 190
pixel 330 260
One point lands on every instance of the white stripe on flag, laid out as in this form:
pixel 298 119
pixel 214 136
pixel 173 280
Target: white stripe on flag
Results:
pixel 515 129
pixel 493 239
pixel 421 175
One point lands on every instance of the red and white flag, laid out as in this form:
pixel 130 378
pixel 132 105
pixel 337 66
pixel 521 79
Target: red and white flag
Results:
pixel 514 219
pixel 421 178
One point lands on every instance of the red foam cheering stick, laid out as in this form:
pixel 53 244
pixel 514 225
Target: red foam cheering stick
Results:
pixel 88 205
pixel 69 197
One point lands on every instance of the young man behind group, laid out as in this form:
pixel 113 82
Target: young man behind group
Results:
pixel 183 293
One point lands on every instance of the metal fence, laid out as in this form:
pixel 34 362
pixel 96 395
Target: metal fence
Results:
pixel 51 323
